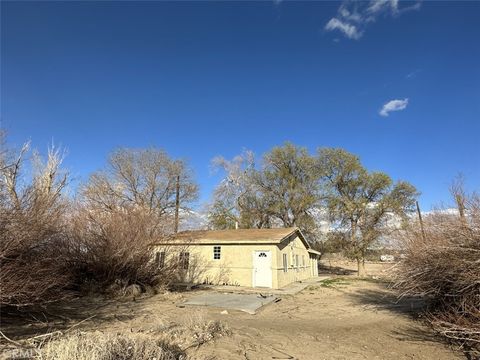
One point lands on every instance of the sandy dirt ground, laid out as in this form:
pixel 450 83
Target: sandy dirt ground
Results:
pixel 340 319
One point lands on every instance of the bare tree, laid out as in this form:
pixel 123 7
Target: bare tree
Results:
pixel 457 190
pixel 235 193
pixel 141 179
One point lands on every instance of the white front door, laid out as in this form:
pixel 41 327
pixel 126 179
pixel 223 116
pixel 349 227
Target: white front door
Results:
pixel 262 269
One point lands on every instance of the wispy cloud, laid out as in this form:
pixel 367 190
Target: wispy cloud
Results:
pixel 393 105
pixel 413 74
pixel 353 16
pixel 349 30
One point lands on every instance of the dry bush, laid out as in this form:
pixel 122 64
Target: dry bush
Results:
pixel 195 330
pixel 32 229
pixel 110 251
pixel 50 245
pixel 32 267
pixel 123 210
pixel 108 346
pixel 442 264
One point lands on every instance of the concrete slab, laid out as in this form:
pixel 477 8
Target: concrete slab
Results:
pixel 248 303
pixel 290 289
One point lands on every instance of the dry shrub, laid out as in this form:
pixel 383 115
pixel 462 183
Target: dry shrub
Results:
pixel 32 267
pixel 109 346
pixel 195 330
pixel 442 264
pixel 111 251
pixel 50 245
pixel 32 229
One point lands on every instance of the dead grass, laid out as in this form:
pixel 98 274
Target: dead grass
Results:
pixel 196 330
pixel 106 346
pixel 162 341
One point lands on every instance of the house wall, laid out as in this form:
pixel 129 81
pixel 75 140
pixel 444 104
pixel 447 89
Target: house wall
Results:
pixel 235 266
pixel 295 272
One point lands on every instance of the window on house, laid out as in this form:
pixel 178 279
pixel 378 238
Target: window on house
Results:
pixel 184 260
pixel 160 259
pixel 285 263
pixel 216 252
pixel 297 264
pixel 303 260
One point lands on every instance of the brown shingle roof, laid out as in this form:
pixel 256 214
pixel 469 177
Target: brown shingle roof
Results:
pixel 235 236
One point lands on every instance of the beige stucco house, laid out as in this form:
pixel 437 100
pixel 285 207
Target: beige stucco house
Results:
pixel 270 258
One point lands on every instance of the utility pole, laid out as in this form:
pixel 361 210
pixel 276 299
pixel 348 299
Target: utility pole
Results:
pixel 177 203
pixel 421 220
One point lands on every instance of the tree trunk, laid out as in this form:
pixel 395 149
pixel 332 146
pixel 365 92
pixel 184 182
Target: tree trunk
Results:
pixel 361 267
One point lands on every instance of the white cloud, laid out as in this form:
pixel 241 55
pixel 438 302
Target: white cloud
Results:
pixel 393 105
pixel 348 30
pixel 353 16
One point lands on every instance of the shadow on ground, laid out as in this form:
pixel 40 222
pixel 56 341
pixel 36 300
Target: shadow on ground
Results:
pixel 334 270
pixel 386 299
pixel 27 322
pixel 426 335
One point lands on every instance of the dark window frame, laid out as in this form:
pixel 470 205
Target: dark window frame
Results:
pixel 160 259
pixel 184 260
pixel 217 252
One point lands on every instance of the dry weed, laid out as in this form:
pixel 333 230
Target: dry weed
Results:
pixel 106 346
pixel 162 342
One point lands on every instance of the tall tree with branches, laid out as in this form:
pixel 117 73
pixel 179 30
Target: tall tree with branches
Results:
pixel 361 202
pixel 237 200
pixel 289 179
pixel 283 191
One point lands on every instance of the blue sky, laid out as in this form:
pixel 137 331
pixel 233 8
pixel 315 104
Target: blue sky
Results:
pixel 208 78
